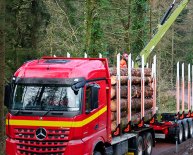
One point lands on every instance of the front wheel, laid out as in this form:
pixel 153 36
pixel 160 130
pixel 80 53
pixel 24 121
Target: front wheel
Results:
pixel 148 142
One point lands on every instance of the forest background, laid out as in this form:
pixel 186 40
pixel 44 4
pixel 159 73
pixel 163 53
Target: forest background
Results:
pixel 30 29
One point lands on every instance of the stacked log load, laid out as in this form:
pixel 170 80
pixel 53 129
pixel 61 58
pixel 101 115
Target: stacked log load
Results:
pixel 135 94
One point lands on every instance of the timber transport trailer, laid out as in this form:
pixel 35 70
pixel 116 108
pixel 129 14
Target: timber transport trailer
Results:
pixel 176 126
pixel 61 106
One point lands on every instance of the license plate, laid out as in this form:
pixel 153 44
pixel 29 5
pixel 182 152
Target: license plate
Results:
pixel 160 136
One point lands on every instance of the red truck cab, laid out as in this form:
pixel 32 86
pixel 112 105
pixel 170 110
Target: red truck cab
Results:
pixel 59 106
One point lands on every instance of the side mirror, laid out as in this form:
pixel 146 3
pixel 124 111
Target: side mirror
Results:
pixel 7 95
pixel 94 96
pixel 75 87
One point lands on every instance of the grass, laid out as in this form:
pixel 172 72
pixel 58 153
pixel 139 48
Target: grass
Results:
pixel 167 104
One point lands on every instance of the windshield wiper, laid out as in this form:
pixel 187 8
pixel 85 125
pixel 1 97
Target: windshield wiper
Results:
pixel 46 112
pixel 16 112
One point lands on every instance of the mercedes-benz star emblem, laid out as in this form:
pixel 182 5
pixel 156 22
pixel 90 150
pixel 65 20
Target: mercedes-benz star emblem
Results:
pixel 41 133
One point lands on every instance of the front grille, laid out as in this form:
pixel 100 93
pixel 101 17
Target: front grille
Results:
pixel 54 144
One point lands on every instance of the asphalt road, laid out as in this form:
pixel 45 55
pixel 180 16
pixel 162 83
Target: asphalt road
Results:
pixel 168 148
pixel 162 148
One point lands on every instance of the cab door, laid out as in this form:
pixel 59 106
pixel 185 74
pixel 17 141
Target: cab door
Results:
pixel 90 112
pixel 102 105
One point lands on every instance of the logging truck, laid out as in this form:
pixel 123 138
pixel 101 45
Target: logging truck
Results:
pixel 64 106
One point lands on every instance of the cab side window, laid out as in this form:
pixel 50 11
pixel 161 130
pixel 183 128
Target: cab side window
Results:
pixel 92 96
pixel 88 99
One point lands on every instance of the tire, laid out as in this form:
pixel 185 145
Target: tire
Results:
pixel 180 133
pixel 190 128
pixel 97 153
pixel 148 143
pixel 185 130
pixel 140 145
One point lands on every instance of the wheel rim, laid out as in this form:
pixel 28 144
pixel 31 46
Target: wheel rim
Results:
pixel 149 145
pixel 180 134
pixel 140 148
pixel 186 132
pixel 191 130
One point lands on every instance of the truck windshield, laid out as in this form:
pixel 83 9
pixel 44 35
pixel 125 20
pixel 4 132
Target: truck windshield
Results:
pixel 36 97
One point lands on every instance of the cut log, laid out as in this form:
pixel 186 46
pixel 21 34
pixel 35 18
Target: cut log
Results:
pixel 123 105
pixel 124 122
pixel 114 115
pixel 137 72
pixel 113 92
pixel 135 118
pixel 113 126
pixel 135 80
pixel 114 80
pixel 135 104
pixel 135 91
pixel 134 71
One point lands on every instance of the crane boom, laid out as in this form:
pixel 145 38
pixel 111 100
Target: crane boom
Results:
pixel 162 29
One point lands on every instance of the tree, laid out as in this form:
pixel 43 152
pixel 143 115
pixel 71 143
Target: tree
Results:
pixel 65 32
pixel 139 26
pixel 25 22
pixel 2 68
pixel 94 32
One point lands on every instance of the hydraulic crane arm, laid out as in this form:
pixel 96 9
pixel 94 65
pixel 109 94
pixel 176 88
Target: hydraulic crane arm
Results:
pixel 162 29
